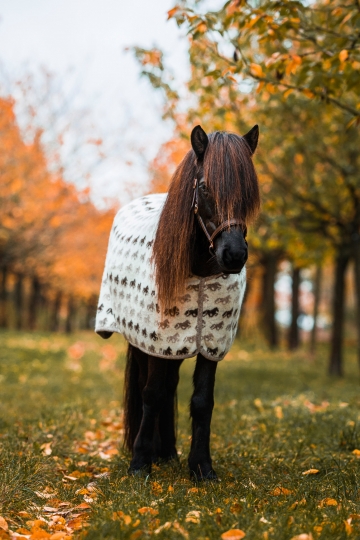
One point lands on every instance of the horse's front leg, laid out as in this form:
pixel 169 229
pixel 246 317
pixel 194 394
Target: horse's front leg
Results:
pixel 201 407
pixel 152 395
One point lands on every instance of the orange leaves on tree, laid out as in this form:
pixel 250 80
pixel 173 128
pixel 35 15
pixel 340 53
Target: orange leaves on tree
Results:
pixel 256 70
pixel 343 55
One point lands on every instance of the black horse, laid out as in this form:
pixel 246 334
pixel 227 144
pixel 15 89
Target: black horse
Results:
pixel 224 197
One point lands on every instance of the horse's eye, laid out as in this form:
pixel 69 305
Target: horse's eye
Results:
pixel 203 187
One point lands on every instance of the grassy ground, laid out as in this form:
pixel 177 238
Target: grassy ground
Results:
pixel 63 473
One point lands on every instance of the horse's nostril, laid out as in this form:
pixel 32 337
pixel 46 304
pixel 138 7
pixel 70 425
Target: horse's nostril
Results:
pixel 234 258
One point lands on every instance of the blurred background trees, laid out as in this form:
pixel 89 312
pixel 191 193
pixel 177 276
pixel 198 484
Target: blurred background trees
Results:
pixel 52 238
pixel 293 69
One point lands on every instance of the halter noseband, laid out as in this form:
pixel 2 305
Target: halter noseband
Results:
pixel 225 225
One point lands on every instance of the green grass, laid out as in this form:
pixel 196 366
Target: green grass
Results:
pixel 276 416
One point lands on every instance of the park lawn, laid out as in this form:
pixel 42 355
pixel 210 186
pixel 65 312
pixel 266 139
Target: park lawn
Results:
pixel 277 416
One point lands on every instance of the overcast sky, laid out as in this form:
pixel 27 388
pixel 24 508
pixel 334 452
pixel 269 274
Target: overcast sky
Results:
pixel 88 37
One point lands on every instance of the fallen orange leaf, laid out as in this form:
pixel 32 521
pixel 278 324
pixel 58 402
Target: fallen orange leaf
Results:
pixel 281 491
pixel 156 487
pixel 328 502
pixel 148 510
pixel 3 524
pixel 310 471
pixel 233 534
pixel 136 534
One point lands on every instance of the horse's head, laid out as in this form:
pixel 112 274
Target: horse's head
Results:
pixel 226 196
pixel 218 200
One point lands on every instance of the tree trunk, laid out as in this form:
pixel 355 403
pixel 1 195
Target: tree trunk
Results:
pixel 34 303
pixel 18 301
pixel 357 287
pixel 55 315
pixel 269 263
pixel 317 289
pixel 69 323
pixel 295 311
pixel 3 298
pixel 338 307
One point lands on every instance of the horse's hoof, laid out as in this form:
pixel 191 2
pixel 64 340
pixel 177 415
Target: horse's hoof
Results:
pixel 142 471
pixel 209 476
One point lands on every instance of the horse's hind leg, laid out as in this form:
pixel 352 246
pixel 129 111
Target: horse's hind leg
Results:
pixel 152 396
pixel 167 415
pixel 201 407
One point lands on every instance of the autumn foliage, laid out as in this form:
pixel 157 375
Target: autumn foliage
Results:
pixel 52 238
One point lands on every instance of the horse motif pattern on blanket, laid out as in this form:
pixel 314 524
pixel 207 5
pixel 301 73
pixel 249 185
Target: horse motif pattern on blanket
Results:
pixel 203 319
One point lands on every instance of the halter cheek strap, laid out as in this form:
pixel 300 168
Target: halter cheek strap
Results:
pixel 225 225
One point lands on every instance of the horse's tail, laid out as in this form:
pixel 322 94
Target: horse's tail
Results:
pixel 133 394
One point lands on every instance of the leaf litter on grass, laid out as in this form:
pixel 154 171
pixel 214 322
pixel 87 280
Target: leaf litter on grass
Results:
pixel 275 422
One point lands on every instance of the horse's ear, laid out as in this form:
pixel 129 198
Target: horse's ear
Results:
pixel 252 138
pixel 199 141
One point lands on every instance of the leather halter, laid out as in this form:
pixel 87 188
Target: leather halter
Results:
pixel 225 225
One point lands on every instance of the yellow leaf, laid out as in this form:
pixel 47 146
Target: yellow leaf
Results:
pixel 356 452
pixel 170 489
pixel 258 404
pixel 281 491
pixel 348 527
pixel 3 524
pixel 233 534
pixel 279 412
pixel 310 471
pixel 193 490
pixel 343 55
pixel 256 70
pixel 303 536
pixel 136 523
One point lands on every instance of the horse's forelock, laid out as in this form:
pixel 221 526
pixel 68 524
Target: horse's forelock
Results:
pixel 231 177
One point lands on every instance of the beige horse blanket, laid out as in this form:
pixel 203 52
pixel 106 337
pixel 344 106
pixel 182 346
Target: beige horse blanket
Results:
pixel 202 320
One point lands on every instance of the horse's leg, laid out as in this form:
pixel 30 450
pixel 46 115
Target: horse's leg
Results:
pixel 152 395
pixel 167 415
pixel 201 407
pixel 135 380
